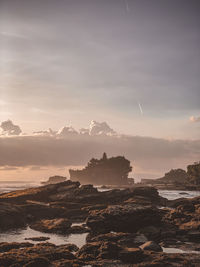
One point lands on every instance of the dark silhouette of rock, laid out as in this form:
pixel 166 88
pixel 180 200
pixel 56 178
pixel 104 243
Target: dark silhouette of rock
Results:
pixel 104 171
pixel 176 177
pixel 194 173
pixel 55 179
pixel 151 245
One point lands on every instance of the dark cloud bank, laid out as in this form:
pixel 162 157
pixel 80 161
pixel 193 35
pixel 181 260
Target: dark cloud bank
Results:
pixel 149 155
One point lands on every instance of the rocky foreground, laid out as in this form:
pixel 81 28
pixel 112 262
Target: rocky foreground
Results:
pixel 127 227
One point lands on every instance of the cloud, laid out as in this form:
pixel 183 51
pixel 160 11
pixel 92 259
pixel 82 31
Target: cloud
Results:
pixel 8 168
pixel 151 156
pixel 9 128
pixel 67 131
pixel 194 119
pixel 12 35
pixel 3 103
pixel 37 168
pixel 95 128
pixel 100 128
pixel 48 132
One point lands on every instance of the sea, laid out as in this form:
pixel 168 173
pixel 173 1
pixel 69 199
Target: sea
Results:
pixel 19 235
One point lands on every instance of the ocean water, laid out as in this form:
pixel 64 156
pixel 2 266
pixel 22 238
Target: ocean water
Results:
pixel 20 235
pixel 174 194
pixel 8 186
pixel 19 185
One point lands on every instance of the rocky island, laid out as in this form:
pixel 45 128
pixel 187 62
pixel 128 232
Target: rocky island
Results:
pixel 105 171
pixel 55 179
pixel 178 179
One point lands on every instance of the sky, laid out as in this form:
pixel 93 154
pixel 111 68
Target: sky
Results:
pixel 132 63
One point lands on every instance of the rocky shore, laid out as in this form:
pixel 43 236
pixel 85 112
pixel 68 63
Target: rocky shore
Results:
pixel 129 227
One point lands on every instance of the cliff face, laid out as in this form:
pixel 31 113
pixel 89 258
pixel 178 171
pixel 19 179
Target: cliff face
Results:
pixel 174 176
pixel 109 171
pixel 194 173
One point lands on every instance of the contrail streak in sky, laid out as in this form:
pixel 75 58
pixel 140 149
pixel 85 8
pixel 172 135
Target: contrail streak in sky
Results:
pixel 127 6
pixel 140 107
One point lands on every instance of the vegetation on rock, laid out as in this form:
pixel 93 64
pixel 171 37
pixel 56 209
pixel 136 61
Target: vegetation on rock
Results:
pixel 106 170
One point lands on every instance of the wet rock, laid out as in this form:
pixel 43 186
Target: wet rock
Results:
pixel 187 207
pixel 123 218
pixel 131 255
pixel 89 251
pixel 191 225
pixel 122 239
pixel 42 262
pixel 193 235
pixel 29 255
pixel 11 216
pixel 87 189
pixel 60 226
pixel 70 247
pixel 109 250
pixel 151 245
pixel 78 229
pixel 147 191
pixel 5 246
pixel 42 193
pixel 160 259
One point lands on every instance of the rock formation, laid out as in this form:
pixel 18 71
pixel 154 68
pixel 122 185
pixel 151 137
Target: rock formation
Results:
pixel 109 171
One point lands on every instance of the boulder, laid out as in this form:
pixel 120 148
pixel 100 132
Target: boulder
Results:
pixel 122 239
pixel 78 229
pixel 37 255
pixel 60 226
pixel 89 251
pixel 11 216
pixel 109 250
pixel 123 218
pixel 151 245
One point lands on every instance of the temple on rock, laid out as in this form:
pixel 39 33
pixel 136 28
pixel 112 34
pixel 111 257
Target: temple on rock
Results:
pixel 104 171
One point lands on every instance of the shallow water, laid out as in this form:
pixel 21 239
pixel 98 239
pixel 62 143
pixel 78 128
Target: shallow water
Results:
pixel 21 234
pixel 174 194
pixel 177 250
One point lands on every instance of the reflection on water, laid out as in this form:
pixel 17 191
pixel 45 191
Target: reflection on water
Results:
pixel 174 194
pixel 8 186
pixel 20 235
pixel 177 250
